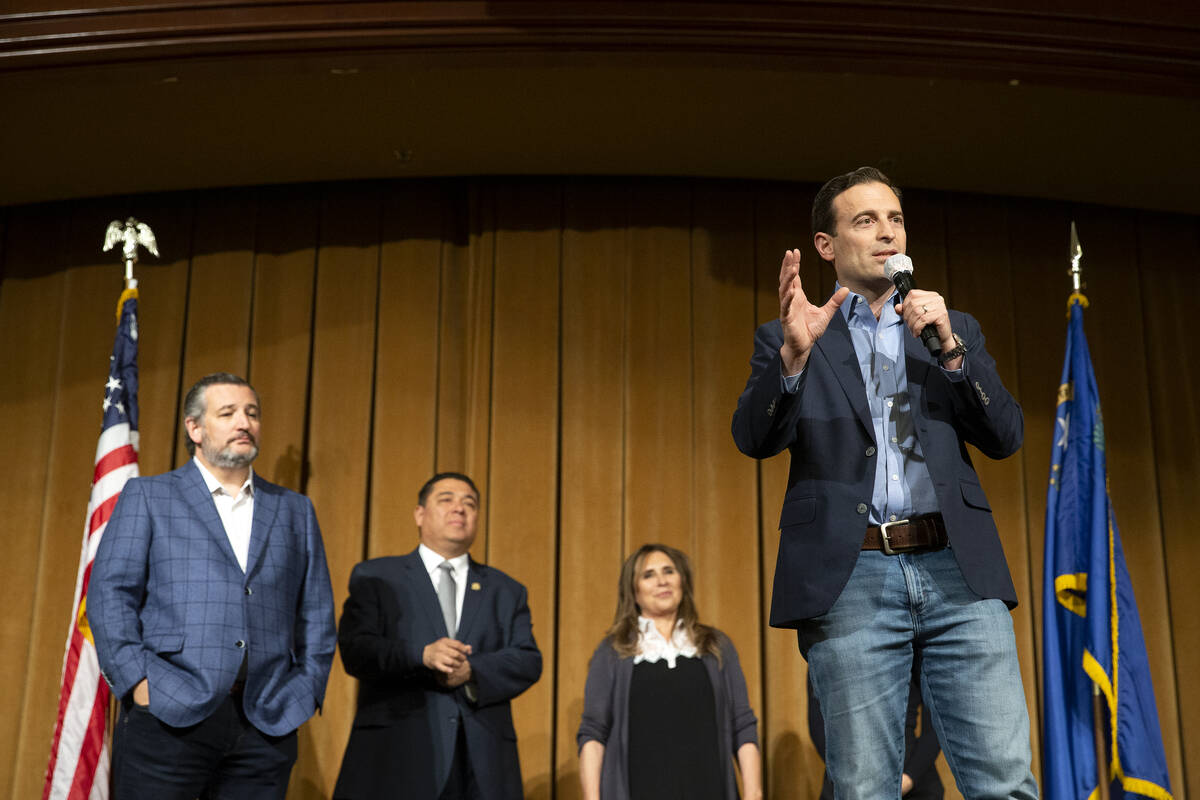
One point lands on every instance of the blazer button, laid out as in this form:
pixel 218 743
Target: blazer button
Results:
pixel 862 508
pixel 239 643
pixel 870 451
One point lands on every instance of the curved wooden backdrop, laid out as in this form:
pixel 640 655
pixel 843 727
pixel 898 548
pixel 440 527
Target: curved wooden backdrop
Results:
pixel 578 347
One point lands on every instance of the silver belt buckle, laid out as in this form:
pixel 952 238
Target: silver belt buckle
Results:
pixel 883 537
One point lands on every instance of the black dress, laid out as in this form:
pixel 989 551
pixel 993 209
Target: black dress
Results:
pixel 673 749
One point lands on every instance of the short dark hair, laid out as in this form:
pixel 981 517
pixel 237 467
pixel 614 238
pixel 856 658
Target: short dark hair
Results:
pixel 423 495
pixel 823 218
pixel 195 402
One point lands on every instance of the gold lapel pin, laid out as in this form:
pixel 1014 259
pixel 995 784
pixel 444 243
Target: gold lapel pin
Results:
pixel 475 587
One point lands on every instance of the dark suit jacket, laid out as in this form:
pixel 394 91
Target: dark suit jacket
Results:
pixel 826 426
pixel 406 725
pixel 168 602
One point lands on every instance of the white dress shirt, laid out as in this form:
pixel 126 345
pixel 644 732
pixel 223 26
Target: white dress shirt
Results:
pixel 237 513
pixel 458 566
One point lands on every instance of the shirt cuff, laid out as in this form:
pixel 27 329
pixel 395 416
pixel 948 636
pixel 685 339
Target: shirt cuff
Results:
pixel 956 375
pixel 790 383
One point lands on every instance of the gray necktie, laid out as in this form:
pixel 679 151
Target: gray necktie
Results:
pixel 446 597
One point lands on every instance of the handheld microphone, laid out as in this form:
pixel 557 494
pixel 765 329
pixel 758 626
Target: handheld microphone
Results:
pixel 898 269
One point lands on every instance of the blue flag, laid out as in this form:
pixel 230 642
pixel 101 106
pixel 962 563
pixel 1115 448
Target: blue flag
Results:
pixel 1092 634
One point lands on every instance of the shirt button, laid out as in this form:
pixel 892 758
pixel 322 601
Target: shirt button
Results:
pixel 892 518
pixel 889 403
pixel 894 439
pixel 885 367
pixel 895 477
pixel 239 643
pixel 870 451
pixel 862 508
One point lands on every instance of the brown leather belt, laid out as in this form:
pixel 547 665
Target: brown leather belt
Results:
pixel 927 532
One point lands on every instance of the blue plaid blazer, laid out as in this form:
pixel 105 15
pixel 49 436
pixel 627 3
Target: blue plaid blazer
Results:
pixel 167 601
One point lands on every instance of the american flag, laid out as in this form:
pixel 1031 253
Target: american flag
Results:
pixel 79 761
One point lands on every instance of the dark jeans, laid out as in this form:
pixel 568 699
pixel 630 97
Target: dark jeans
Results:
pixel 222 758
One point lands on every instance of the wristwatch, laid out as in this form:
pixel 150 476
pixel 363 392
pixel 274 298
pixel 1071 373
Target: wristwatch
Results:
pixel 960 348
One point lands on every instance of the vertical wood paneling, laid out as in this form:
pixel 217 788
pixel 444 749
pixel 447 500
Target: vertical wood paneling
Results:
pixel 1038 244
pixel 523 480
pixel 32 307
pixel 281 331
pixel 1118 350
pixel 339 436
pixel 220 289
pixel 793 769
pixel 162 311
pixel 465 337
pixel 658 433
pixel 724 482
pixel 578 349
pixel 977 254
pixel 81 374
pixel 406 382
pixel 595 259
pixel 1168 259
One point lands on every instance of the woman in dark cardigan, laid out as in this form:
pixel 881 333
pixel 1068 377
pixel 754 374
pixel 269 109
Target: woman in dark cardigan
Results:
pixel 665 708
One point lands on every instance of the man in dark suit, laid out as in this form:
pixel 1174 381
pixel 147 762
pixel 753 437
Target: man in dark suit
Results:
pixel 888 553
pixel 440 645
pixel 212 613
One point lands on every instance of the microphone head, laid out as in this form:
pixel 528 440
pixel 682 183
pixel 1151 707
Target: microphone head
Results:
pixel 897 263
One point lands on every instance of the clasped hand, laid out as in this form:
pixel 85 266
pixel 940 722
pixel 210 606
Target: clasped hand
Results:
pixel 448 659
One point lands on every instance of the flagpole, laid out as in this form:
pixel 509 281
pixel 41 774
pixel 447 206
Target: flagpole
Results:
pixel 1098 710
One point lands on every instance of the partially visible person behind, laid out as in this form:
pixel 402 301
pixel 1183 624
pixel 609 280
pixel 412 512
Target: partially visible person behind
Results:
pixel 920 780
pixel 440 645
pixel 665 708
pixel 212 612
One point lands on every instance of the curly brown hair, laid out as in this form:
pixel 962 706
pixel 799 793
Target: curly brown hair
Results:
pixel 623 635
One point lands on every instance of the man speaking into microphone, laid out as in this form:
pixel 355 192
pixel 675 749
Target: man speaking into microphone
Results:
pixel 888 554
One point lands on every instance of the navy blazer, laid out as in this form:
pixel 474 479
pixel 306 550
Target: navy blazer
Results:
pixel 406 725
pixel 827 428
pixel 168 602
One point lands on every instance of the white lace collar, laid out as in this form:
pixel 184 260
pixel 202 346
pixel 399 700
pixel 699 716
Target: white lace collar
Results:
pixel 652 646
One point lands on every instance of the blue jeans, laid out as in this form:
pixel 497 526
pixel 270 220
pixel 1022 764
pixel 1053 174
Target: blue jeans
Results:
pixel 860 655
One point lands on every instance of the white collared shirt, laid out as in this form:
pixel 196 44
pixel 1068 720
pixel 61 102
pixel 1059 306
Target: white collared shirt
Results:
pixel 459 566
pixel 651 645
pixel 236 513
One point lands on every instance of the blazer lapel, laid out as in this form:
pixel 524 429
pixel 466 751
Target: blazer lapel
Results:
pixel 418 578
pixel 838 349
pixel 472 598
pixel 197 496
pixel 266 507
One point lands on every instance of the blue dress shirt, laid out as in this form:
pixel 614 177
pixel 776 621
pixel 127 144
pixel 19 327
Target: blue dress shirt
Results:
pixel 903 487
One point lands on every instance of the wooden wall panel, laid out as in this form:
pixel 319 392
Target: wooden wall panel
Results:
pixel 791 764
pixel 595 257
pixel 658 441
pixel 725 520
pixel 162 312
pixel 32 308
pixel 1168 258
pixel 339 435
pixel 285 262
pixel 406 367
pixel 1119 359
pixel 81 373
pixel 523 481
pixel 220 288
pixel 977 255
pixel 577 348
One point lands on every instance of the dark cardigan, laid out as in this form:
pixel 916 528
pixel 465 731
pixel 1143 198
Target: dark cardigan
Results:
pixel 606 713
